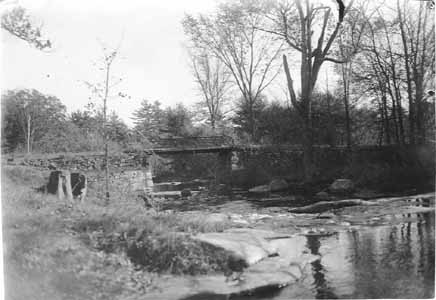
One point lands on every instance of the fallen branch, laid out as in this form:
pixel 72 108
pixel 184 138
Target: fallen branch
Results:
pixel 323 206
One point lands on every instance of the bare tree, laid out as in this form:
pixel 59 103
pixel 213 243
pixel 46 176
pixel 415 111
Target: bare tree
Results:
pixel 233 35
pixel 213 80
pixel 398 60
pixel 295 22
pixel 103 92
pixel 417 30
pixel 350 38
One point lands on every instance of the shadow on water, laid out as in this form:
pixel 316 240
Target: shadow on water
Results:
pixel 260 293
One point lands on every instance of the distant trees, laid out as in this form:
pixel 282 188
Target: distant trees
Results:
pixel 245 115
pixel 28 115
pixel 35 122
pixel 281 124
pixel 178 120
pixel 233 36
pixel 152 121
pixel 148 120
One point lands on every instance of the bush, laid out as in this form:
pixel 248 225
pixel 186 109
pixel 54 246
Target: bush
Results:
pixel 175 253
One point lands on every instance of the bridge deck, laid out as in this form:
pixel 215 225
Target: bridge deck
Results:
pixel 190 150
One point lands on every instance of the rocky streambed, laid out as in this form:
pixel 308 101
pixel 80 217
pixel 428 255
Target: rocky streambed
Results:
pixel 276 252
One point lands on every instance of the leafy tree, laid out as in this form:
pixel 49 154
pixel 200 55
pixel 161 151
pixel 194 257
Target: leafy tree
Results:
pixel 27 116
pixel 149 120
pixel 118 131
pixel 247 116
pixel 178 121
pixel 17 22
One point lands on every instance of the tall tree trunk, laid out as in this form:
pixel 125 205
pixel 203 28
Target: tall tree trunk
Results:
pixel 408 76
pixel 346 84
pixel 305 115
pixel 400 115
pixel 105 136
pixel 386 119
pixel 308 162
pixel 394 118
pixel 331 125
pixel 381 124
pixel 28 133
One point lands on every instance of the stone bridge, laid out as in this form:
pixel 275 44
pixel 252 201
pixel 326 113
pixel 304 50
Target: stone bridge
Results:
pixel 219 153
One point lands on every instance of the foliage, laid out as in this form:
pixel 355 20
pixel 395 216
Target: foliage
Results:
pixel 19 24
pixel 28 115
pixel 178 121
pixel 248 116
pixel 148 119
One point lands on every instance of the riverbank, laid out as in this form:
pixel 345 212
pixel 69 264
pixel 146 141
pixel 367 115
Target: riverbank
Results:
pixel 58 250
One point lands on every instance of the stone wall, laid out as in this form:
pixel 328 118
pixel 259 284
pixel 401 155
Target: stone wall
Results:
pixel 127 172
pixel 83 162
pixel 366 165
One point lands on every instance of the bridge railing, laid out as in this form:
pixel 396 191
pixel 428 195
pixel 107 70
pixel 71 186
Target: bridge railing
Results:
pixel 193 142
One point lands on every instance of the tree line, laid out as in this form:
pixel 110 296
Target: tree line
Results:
pixel 33 122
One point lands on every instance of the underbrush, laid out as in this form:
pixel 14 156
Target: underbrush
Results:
pixel 156 242
pixel 61 250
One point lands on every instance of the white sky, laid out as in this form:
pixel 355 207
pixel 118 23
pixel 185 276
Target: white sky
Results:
pixel 153 62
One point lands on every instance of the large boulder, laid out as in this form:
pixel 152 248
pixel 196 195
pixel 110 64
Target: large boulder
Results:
pixel 291 265
pixel 323 196
pixel 342 186
pixel 247 244
pixel 260 189
pixel 276 185
pixel 186 193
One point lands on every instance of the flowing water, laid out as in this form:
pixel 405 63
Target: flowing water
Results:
pixel 383 261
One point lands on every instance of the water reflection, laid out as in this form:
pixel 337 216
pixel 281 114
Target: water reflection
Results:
pixel 323 291
pixel 389 261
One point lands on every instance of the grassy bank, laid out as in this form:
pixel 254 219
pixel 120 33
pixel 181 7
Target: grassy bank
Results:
pixel 59 250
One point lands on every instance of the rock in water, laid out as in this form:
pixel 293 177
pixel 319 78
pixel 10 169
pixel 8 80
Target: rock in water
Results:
pixel 186 193
pixel 260 189
pixel 277 185
pixel 324 196
pixel 342 186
